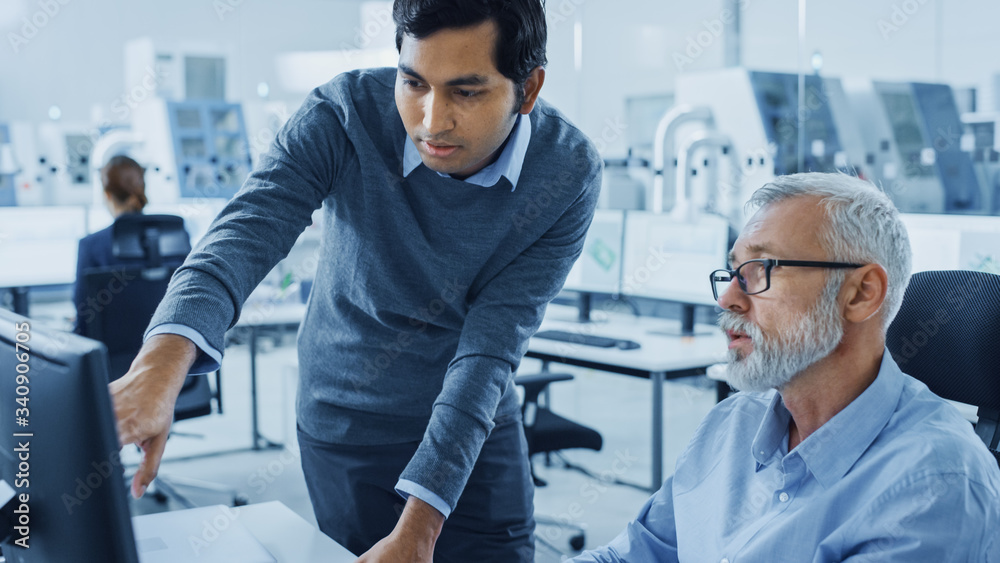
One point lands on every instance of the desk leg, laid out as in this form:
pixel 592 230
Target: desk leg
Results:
pixel 19 296
pixel 259 442
pixel 253 388
pixel 657 378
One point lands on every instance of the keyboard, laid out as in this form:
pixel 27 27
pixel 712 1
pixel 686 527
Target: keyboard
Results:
pixel 587 339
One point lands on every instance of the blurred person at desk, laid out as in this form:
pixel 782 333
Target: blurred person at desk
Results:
pixel 125 193
pixel 830 453
pixel 455 204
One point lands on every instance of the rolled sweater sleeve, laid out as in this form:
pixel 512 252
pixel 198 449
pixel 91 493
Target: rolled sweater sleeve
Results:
pixel 258 227
pixel 493 340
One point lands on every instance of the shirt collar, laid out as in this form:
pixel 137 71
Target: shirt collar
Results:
pixel 508 165
pixel 831 451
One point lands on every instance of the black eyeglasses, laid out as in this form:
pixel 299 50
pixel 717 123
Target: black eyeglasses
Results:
pixel 754 276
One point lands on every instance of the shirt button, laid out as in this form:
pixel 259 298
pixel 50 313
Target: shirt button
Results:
pixel 724 560
pixel 783 497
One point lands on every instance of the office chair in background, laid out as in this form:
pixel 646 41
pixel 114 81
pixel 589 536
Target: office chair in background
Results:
pixel 151 247
pixel 946 334
pixel 549 433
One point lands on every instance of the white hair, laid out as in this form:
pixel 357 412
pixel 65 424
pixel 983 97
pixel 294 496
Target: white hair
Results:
pixel 863 226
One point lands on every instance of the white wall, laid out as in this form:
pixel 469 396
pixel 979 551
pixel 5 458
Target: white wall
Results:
pixel 629 47
pixel 76 60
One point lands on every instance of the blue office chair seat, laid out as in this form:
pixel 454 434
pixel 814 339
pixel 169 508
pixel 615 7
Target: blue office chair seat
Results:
pixel 554 433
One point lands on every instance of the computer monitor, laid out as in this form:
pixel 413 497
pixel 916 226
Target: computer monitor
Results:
pixel 599 268
pixel 670 259
pixel 38 245
pixel 63 463
pixel 954 242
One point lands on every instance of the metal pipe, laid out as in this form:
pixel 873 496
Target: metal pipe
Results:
pixel 701 139
pixel 663 143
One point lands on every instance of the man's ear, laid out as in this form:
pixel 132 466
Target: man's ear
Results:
pixel 866 289
pixel 532 86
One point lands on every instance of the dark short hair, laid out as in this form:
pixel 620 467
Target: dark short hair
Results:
pixel 520 46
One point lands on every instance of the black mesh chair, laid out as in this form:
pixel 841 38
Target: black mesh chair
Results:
pixel 546 433
pixel 946 334
pixel 150 248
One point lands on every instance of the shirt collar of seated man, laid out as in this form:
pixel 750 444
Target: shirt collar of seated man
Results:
pixel 816 334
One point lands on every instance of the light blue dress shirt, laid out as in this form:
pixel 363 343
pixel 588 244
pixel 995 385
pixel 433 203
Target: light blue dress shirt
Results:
pixel 508 165
pixel 898 475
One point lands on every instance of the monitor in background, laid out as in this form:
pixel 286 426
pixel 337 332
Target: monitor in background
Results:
pixel 599 268
pixel 954 242
pixel 63 463
pixel 669 259
pixel 38 245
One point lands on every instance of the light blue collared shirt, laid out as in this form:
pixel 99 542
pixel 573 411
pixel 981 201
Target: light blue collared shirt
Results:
pixel 897 475
pixel 507 165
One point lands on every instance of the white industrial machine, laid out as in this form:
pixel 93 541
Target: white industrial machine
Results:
pixel 735 129
pixel 914 132
pixel 9 168
pixel 982 143
pixel 176 71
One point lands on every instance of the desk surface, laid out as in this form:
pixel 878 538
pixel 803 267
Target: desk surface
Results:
pixel 288 537
pixel 657 352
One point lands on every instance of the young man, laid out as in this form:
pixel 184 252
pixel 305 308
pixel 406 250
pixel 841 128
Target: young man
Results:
pixel 850 459
pixel 455 204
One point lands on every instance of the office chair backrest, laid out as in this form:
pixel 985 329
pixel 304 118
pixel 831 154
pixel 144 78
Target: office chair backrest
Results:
pixel 946 335
pixel 154 238
pixel 125 297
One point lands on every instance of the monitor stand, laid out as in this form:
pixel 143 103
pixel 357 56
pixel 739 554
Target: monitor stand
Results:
pixel 584 302
pixel 687 325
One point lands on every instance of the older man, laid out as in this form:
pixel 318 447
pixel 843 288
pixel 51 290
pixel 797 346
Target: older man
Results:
pixel 850 459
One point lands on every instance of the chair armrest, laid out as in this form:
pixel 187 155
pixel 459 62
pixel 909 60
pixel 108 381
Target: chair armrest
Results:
pixel 534 384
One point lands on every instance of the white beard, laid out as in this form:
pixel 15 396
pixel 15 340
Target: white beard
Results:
pixel 774 362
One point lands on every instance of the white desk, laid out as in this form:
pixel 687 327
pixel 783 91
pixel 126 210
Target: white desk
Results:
pixel 288 537
pixel 658 358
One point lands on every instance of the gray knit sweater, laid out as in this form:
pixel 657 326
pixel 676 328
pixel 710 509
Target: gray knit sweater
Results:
pixel 427 288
